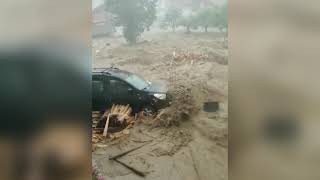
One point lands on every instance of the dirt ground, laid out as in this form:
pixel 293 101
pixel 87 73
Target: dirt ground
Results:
pixel 198 148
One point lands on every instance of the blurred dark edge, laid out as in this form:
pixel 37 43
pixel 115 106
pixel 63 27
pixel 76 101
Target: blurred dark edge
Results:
pixel 45 89
pixel 40 81
pixel 274 90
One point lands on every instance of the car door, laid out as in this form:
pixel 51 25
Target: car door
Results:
pixel 122 92
pixel 100 95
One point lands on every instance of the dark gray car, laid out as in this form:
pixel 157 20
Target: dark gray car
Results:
pixel 115 86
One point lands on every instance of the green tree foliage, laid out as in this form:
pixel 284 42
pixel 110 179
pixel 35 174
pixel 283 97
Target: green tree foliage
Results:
pixel 188 22
pixel 171 18
pixel 135 16
pixel 206 18
pixel 222 17
pixel 213 17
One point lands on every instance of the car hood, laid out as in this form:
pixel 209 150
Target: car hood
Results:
pixel 157 88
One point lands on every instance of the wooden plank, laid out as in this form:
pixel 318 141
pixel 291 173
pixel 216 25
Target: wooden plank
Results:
pixel 105 132
pixel 112 108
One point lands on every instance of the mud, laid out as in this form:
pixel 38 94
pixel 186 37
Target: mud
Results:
pixel 187 143
pixel 182 107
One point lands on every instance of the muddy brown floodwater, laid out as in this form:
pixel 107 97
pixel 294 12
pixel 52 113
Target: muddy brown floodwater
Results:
pixel 197 149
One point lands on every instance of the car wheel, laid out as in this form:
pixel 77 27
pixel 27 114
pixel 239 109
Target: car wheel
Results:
pixel 148 110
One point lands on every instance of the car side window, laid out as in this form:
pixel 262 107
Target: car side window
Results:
pixel 119 86
pixel 97 86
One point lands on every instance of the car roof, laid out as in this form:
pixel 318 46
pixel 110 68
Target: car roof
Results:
pixel 114 72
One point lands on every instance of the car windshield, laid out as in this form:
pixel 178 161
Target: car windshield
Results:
pixel 137 82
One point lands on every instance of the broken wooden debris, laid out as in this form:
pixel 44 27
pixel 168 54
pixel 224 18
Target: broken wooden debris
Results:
pixel 115 158
pixel 137 172
pixel 188 56
pixel 114 122
pixel 126 152
pixel 105 132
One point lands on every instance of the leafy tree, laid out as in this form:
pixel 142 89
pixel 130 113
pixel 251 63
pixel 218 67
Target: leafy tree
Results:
pixel 135 16
pixel 171 18
pixel 206 18
pixel 163 25
pixel 213 17
pixel 188 22
pixel 222 17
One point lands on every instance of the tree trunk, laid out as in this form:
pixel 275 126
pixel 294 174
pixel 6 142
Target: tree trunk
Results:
pixel 173 27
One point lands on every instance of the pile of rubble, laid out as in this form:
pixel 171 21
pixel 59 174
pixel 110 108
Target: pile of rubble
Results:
pixel 181 108
pixel 189 57
pixel 113 123
pixel 116 122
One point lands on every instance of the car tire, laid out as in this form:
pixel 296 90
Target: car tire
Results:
pixel 148 110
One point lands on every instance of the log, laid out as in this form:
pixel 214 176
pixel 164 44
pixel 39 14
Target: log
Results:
pixel 127 108
pixel 125 115
pixel 120 109
pixel 128 112
pixel 130 120
pixel 105 132
pixel 126 152
pixel 124 109
pixel 137 172
pixel 112 108
pixel 116 108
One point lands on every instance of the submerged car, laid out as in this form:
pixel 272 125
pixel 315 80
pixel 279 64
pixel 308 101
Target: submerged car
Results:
pixel 115 86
